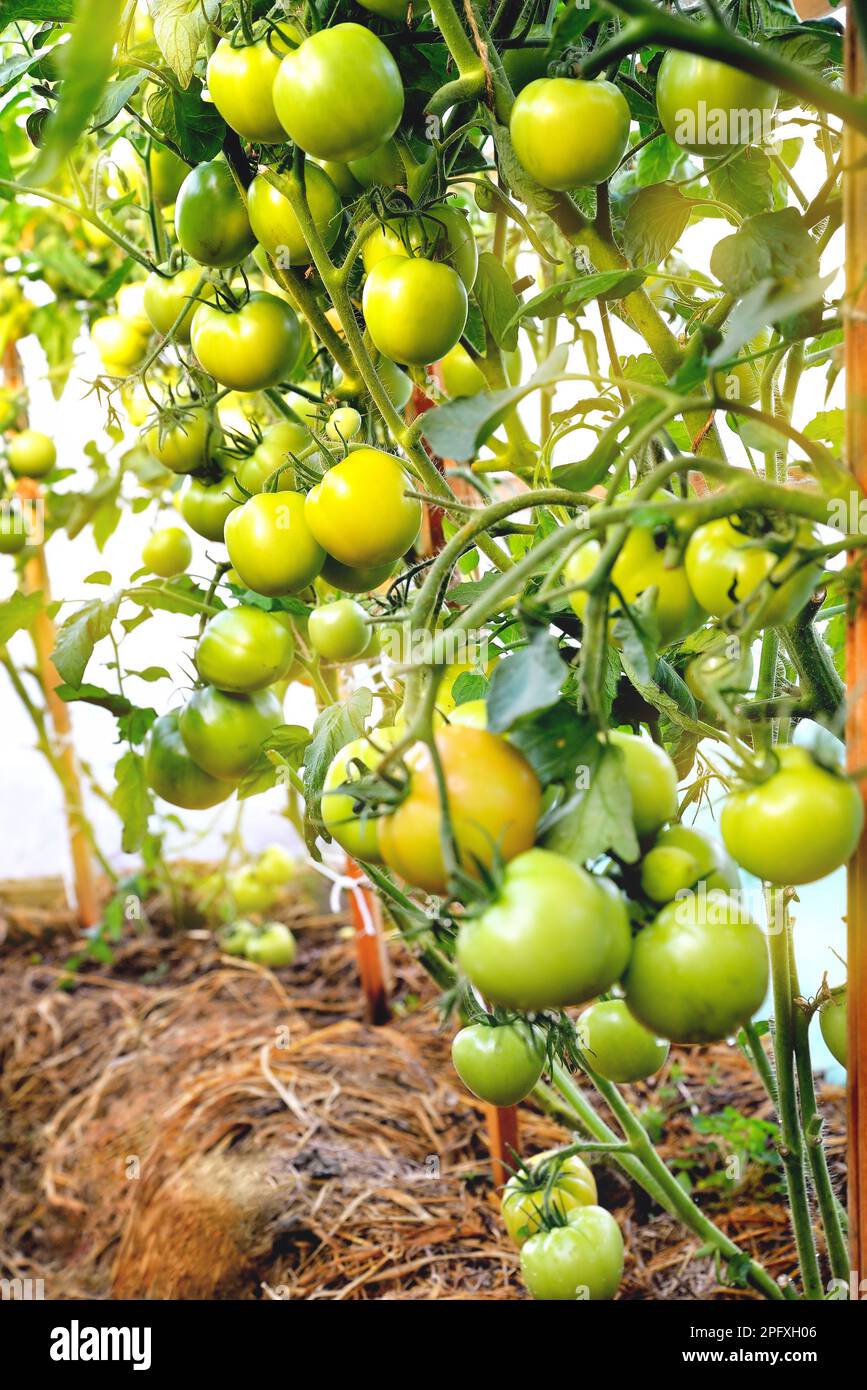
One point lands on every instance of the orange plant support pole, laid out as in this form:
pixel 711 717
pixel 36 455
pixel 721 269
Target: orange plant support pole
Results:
pixel 855 222
pixel 369 948
pixel 503 1139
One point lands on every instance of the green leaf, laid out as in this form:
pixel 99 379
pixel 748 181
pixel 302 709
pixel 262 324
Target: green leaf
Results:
pixel 17 613
pixel 39 11
pixel 766 303
pixel 771 246
pixel 334 728
pixel 574 294
pixel 744 182
pixel 87 62
pixel 132 800
pixel 179 29
pixel 658 160
pixel 599 818
pixel 99 577
pixel 284 748
pixel 829 427
pixel 179 595
pixel 78 636
pixel 655 222
pixel 194 126
pixel 115 98
pixel 527 681
pixel 500 306
pixel 553 741
pixel 94 695
pixel 458 429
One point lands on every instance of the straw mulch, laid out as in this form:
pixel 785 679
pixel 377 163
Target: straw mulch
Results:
pixel 180 1125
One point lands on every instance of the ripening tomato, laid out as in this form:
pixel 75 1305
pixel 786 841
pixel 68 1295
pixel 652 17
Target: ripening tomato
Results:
pixel 249 892
pixel 800 824
pixel 165 296
pixel 494 801
pixel 699 971
pixel 360 513
pixel 244 649
pixel 352 580
pixel 499 1063
pixel 173 774
pixel 31 454
pixel 567 133
pixel 168 172
pixel 547 939
pixel 340 631
pixel 184 440
pixel 582 1260
pixel 652 779
pixel 441 232
pixel 710 108
pixel 206 507
pixel 834 1023
pixel 461 376
pixel 167 552
pixel 415 309
pixel 343 423
pixel 276 225
pixel 682 857
pixel 351 824
pixel 340 95
pixel 523 1201
pixel 727 565
pixel 640 565
pixel 249 348
pixel 271 545
pixel 273 945
pixel 342 177
pixel 235 938
pixel 224 733
pixel 211 220
pixel 117 342
pixel 617 1045
pixel 278 444
pixel 240 80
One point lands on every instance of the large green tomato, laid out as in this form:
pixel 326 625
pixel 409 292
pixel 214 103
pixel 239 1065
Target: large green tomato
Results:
pixel 271 545
pixel 726 565
pixel 709 108
pixel 342 177
pixel 582 1260
pixel 699 971
pixel 494 800
pixel 173 774
pixel 652 779
pixel 240 82
pixel 352 580
pixel 523 1201
pixel 834 1023
pixel 340 95
pixel 165 296
pixel 360 513
pixel 568 133
pixel 525 65
pixel 31 454
pixel 274 946
pixel 187 442
pixel 244 649
pixel 211 220
pixel 415 309
pixel 340 631
pixel 249 348
pixel 168 172
pixel 499 1063
pixel 682 857
pixel 639 566
pixel 346 822
pixel 224 733
pixel 617 1045
pixel 131 308
pixel 800 824
pixel 206 507
pixel 119 344
pixel 383 166
pixel 167 552
pixel 545 941
pixel 276 225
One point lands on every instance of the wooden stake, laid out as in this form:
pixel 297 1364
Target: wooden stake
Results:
pixel 503 1141
pixel 369 948
pixel 855 222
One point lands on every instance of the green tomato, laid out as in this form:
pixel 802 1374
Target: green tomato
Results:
pixel 211 220
pixel 250 348
pixel 652 779
pixel 725 667
pixel 799 825
pixel 354 829
pixel 276 226
pixel 699 971
pixel 13 529
pixel 395 10
pixel 235 939
pixel 681 858
pixel 339 631
pixel 383 166
pixel 274 452
pixel 240 80
pixel 441 233
pixel 567 133
pixel 523 1202
pixel 117 342
pixel 544 941
pixel 271 544
pixel 274 946
pixel 709 108
pixel 244 649
pixel 726 566
pixel 500 1064
pixel 167 552
pixel 165 296
pixel 249 893
pixel 617 1046
pixel 276 866
pixel 224 733
pixel 582 1260
pixel 619 929
pixel 168 172
pixel 343 423
pixel 461 377
pixel 640 565
pixel 398 386
pixel 206 507
pixel 130 307
pixel 31 454
pixel 186 440
pixel 415 309
pixel 342 177
pixel 340 95
pixel 834 1023
pixel 360 513
pixel 352 580
pixel 172 773
pixel 525 65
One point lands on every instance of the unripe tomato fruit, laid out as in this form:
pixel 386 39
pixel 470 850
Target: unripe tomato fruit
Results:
pixel 699 971
pixel 415 309
pixel 441 232
pixel 682 857
pixel 271 545
pixel 276 226
pixel 206 507
pixel 694 92
pixel 165 296
pixel 581 1260
pixel 359 512
pixel 352 580
pixel 172 773
pixel 211 220
pixel 462 377
pixel 726 565
pixel 276 866
pixel 395 10
pixel 249 893
pixel 494 800
pixel 339 631
pixel 499 1063
pixel 522 1205
pixel 240 82
pixel 168 172
pixel 235 938
pixel 117 342
pixel 31 454
pixel 13 530
pixel 343 423
pixel 131 308
pixel 800 824
pixel 568 133
pixel 340 95
pixel 342 177
pixel 273 945
pixel 834 1023
pixel 224 733
pixel 278 443
pixel 546 939
pixel 187 442
pixel 383 166
pixel 167 552
pixel 244 649
pixel 617 1045
pixel 652 779
pixel 249 348
pixel 639 566
pixel 355 828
